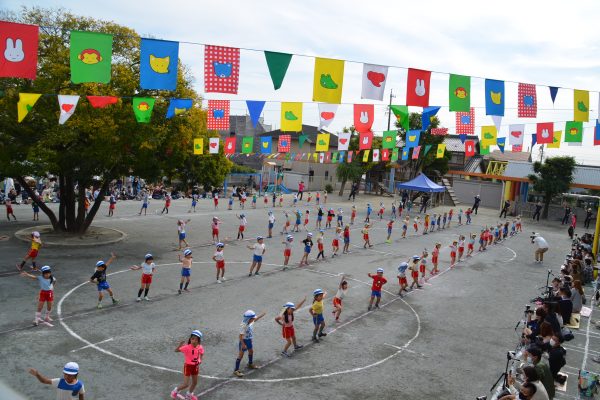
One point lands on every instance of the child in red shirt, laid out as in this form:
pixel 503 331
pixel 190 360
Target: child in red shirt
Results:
pixel 378 282
pixel 346 239
pixel 193 352
pixel 461 247
pixel 434 258
pixel 453 253
pixel 167 204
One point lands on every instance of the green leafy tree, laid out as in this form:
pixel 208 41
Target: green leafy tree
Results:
pixel 104 142
pixel 552 177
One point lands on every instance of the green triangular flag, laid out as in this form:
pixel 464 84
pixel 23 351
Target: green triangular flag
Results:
pixel 427 148
pixel 301 139
pixel 401 112
pixel 142 108
pixel 278 64
pixel 247 144
pixel 459 93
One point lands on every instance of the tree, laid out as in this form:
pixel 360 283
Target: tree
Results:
pixel 552 177
pixel 104 142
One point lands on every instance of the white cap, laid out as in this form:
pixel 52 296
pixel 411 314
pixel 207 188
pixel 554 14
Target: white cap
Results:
pixel 290 305
pixel 249 314
pixel 317 292
pixel 148 256
pixel 220 244
pixel 71 368
pixel 35 234
pixel 197 333
pixel 187 252
pixel 45 268
pixel 309 234
pixel 379 270
pixel 289 237
pixel 100 264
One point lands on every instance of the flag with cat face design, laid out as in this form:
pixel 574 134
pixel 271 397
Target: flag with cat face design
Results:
pixel 158 64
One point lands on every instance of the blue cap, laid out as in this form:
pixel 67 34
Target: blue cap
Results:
pixel 148 256
pixel 220 244
pixel 100 264
pixel 317 292
pixel 249 314
pixel 291 305
pixel 379 270
pixel 45 268
pixel 71 368
pixel 197 333
pixel 259 237
pixel 289 238
pixel 187 252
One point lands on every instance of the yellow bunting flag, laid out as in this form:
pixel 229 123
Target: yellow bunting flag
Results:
pixel 489 135
pixel 316 157
pixel 322 142
pixel 198 145
pixel 366 155
pixel 25 104
pixel 291 117
pixel 440 150
pixel 556 141
pixel 328 80
pixel 581 105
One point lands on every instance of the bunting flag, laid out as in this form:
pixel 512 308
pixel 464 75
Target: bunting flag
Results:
pixel 322 142
pixel 321 158
pixel 342 157
pixel 278 64
pixel 291 117
pixel 516 134
pixel 412 138
pixel 221 69
pixel 373 81
pixel 365 141
pixel 218 115
pixel 375 155
pixel 316 156
pixel 545 133
pixel 19 47
pixel 469 148
pixel 366 155
pixel 484 150
pixel 405 153
pixel 343 141
pixel 385 154
pixel 364 114
pixel 388 141
pixel 527 101
pixel 327 157
pixel 394 157
pixel 427 148
pixel 328 80
pixel 439 131
pixel 501 142
pixel 180 106
pixel 266 144
pixel 459 93
pixel 462 138
pixel 497 119
pixel 441 149
pixel 553 93
pixel 401 113
pixel 26 102
pixel 67 105
pixel 417 87
pixel 517 148
pixel 581 105
pixel 533 139
pixel 247 144
pixel 415 152
pixel 255 109
pixel 489 134
pixel 465 122
pixel 158 64
pixel 198 145
pixel 213 145
pixel 229 145
pixel 142 108
pixel 102 101
pixel 301 139
pixel 326 114
pixel 557 135
pixel 427 116
pixel 350 156
pixel 597 133
pixel 284 143
pixel 494 97
pixel 90 56
pixel 598 106
pixel 334 157
pixel 574 132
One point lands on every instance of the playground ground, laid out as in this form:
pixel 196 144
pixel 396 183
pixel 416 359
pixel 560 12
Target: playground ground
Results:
pixel 448 340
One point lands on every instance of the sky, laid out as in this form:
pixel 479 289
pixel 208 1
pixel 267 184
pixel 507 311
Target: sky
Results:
pixel 551 45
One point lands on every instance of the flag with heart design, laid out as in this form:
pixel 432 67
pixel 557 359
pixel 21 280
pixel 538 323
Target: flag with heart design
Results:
pixel 556 140
pixel 364 114
pixel 375 155
pixel 284 143
pixel 25 104
pixel 213 145
pixel 373 81
pixel 19 47
pixel 327 113
pixel 417 87
pixel 218 115
pixel 343 141
pixel 67 104
pixel 221 69
pixel 545 132
pixel 516 134
pixel 321 157
pixel 365 141
pixel 388 141
pixel 198 145
pixel 322 142
pixel 291 117
pixel 469 148
pixel 229 147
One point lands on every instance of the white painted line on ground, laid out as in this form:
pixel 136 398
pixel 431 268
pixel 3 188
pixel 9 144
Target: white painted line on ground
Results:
pixel 514 254
pixel 587 332
pixel 581 350
pixel 87 346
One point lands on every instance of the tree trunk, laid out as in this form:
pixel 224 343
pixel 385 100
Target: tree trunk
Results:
pixel 547 201
pixel 90 217
pixel 342 187
pixel 37 200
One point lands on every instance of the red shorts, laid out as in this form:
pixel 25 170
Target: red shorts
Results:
pixel 426 225
pixel 191 370
pixel 461 250
pixel 112 207
pixel 337 301
pixel 306 222
pixel 216 201
pixel 353 214
pixel 320 246
pixel 288 332
pixel 287 252
pixel 33 253
pixel 470 246
pixel 168 204
pixel 452 254
pixel 381 211
pixel 215 231
pixel 146 279
pixel 366 237
pixel 402 281
pixel 415 226
pixel 287 223
pixel 242 227
pixel 414 274
pixel 9 210
pixel 422 268
pixel 434 259
pixel 329 218
pixel 46 295
pixel 221 264
pixel 335 243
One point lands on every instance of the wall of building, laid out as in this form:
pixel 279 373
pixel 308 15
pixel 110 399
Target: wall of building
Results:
pixel 466 190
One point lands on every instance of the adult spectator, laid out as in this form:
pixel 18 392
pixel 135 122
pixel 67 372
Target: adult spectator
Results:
pixel 300 190
pixel 565 219
pixel 533 324
pixel 530 375
pixel 556 359
pixel 505 208
pixel 565 305
pixel 526 392
pixel 476 204
pixel 404 198
pixel 424 202
pixel 353 190
pixel 538 211
pixel 546 333
pixel 541 247
pixel 588 218
pixel 552 317
pixel 542 369
pixel 577 295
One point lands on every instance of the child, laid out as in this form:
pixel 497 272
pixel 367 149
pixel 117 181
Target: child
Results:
pixel 308 244
pixel 145 201
pixel 214 228
pixel 186 270
pixel 243 198
pixel 271 224
pixel 461 247
pixel 402 277
pixel 416 223
pixel 316 310
pixel 320 246
pixel 346 239
pixel 435 254
pixel 505 231
pixel 468 215
pixel 389 230
pixel 471 245
pixel 340 217
pixel 67 387
pixel 306 214
pixel 254 200
pixel 36 244
pixel 286 225
pixel 242 226
pixel 319 218
pixel 482 240
pixel 369 210
pixel 245 341
pixel 444 220
pixel 295 199
pixel 286 320
pixel 325 197
pixel 297 224
pixel 365 232
pixel 490 236
pixel 257 258
pixel 265 201
pixel 339 297
pixel 167 204
pixel 335 244
pixel 46 281
pixel 287 251
pixel 181 232
pixel 519 225
pixel 274 198
pixel 460 214
pixel 513 228
pixel 409 205
pixel 318 198
pixel 393 213
pixel 148 269
pixel 36 211
pixel 450 214
pixel 414 272
pixel 281 200
pixel 230 203
pixel 194 202
pixel 426 224
pixel 219 260
pixel 433 222
pixel 381 211
pixel 216 200
pixel 9 209
pixel 100 279
pixel 423 265
pixel 308 199
pixel 112 203
pixel 439 221
pixel 453 253
pixel 193 352
pixel 405 226
pixel 86 206
pixel 330 214
pixel 378 282
pixel 353 214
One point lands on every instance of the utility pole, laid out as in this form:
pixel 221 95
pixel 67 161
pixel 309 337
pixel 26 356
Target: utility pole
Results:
pixel 391 183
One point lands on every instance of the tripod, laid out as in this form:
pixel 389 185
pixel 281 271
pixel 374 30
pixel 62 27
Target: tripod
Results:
pixel 504 375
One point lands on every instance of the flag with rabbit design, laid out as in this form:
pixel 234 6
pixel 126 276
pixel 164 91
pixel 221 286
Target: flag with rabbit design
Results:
pixel 417 87
pixel 364 115
pixel 18 50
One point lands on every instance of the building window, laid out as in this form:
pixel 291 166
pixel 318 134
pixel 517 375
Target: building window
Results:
pixel 326 174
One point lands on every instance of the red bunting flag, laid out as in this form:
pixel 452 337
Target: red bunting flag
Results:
pixel 218 115
pixel 18 50
pixel 365 141
pixel 364 114
pixel 385 154
pixel 284 143
pixel 229 145
pixel 415 153
pixel 545 133
pixel 417 88
pixel 527 101
pixel 439 131
pixel 102 101
pixel 469 148
pixel 221 69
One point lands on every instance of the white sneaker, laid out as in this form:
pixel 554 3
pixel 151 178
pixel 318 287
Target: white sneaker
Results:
pixel 138 299
pixel 223 279
pixel 146 298
pixel 218 281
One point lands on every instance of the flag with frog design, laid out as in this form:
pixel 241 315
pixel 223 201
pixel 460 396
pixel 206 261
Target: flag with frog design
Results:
pixel 328 80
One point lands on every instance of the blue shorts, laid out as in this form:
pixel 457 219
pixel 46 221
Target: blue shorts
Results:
pixel 256 258
pixel 376 293
pixel 181 236
pixel 297 222
pixel 145 205
pixel 36 208
pixel 193 204
pixel 307 249
pixel 271 225
pixel 186 272
pixel 319 218
pixel 389 231
pixel 346 240
pixel 103 286
pixel 318 318
pixel 339 218
pixel 247 342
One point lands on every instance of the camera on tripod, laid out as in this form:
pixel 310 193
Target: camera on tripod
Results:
pixel 528 309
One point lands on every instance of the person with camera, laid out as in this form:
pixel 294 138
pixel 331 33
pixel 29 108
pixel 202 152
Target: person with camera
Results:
pixel 534 356
pixel 556 359
pixel 530 376
pixel 527 391
pixel 565 305
pixel 542 247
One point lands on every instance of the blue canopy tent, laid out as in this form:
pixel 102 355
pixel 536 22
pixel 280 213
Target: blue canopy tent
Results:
pixel 421 183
